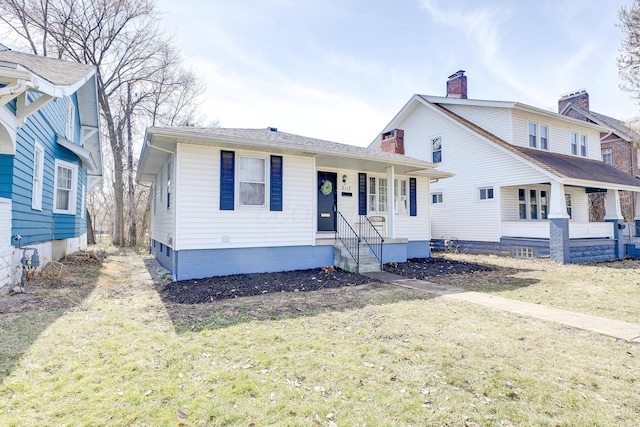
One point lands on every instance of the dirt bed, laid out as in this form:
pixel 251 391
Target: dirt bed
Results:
pixel 426 268
pixel 243 285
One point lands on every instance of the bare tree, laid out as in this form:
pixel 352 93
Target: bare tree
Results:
pixel 138 71
pixel 629 58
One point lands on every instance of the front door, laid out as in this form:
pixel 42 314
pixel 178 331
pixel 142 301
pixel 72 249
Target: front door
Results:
pixel 327 201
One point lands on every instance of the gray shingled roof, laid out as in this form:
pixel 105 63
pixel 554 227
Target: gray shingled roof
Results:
pixel 56 71
pixel 560 165
pixel 266 136
pixel 621 128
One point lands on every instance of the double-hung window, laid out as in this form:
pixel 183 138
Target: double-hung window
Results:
pixel 533 135
pixel 436 198
pixel 252 181
pixel 574 143
pixel 567 200
pixel 66 182
pixel 533 204
pixel 400 193
pixel 538 136
pixel 436 149
pixel 377 194
pixel 607 156
pixel 583 145
pixel 38 172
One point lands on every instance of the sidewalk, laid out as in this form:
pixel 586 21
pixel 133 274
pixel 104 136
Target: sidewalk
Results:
pixel 613 328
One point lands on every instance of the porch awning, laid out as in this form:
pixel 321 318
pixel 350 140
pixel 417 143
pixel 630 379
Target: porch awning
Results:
pixel 82 153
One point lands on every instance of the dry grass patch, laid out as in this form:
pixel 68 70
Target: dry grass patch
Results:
pixel 609 289
pixel 120 361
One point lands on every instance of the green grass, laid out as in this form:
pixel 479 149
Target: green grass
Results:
pixel 120 361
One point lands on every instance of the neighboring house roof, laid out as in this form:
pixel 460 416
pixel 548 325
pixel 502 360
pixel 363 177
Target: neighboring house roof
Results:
pixel 55 71
pixel 327 153
pixel 618 127
pixel 571 170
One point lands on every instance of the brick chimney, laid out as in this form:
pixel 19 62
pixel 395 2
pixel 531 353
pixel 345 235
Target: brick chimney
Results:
pixel 457 85
pixel 579 98
pixel 393 141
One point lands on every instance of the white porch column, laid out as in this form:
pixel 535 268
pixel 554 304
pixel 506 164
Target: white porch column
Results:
pixel 612 206
pixel 559 249
pixel 557 202
pixel 613 214
pixel 391 209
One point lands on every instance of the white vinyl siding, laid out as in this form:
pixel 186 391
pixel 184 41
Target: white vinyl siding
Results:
pixel 203 225
pixel 558 134
pixel 162 224
pixel 38 173
pixel 495 120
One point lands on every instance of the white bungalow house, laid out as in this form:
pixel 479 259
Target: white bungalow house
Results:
pixel 227 201
pixel 522 176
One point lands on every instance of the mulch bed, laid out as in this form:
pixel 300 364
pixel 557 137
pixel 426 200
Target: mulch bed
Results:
pixel 243 285
pixel 424 268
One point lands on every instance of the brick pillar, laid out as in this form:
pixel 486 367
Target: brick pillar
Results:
pixel 559 249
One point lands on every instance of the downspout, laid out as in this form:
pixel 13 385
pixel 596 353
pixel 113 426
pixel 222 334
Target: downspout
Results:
pixel 13 91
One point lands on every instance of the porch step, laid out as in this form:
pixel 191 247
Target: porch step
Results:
pixel 342 259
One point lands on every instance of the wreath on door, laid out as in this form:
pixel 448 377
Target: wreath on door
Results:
pixel 326 188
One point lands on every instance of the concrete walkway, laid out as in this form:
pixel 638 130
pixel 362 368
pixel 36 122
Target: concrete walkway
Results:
pixel 613 328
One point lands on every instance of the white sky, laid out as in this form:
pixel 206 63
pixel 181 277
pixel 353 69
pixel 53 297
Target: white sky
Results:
pixel 341 69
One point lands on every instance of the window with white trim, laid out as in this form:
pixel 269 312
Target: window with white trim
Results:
pixel 544 137
pixel 436 198
pixel 436 149
pixel 574 143
pixel 377 194
pixel 533 135
pixel 38 172
pixel 400 192
pixel 83 200
pixel 568 203
pixel 66 184
pixel 583 145
pixel 485 193
pixel 251 181
pixel 607 156
pixel 71 119
pixel 533 204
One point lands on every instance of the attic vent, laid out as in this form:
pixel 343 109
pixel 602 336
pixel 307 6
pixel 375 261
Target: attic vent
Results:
pixel 273 129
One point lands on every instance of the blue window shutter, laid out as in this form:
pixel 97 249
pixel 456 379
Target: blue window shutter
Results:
pixel 362 194
pixel 413 209
pixel 227 177
pixel 275 184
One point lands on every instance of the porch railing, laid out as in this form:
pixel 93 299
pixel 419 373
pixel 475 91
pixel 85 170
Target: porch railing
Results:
pixel 349 239
pixel 372 237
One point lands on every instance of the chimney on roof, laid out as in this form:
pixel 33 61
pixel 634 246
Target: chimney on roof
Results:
pixel 393 141
pixel 457 85
pixel 578 98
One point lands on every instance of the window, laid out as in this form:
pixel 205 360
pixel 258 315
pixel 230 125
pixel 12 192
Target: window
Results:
pixel 71 119
pixel 544 137
pixel 533 204
pixel 574 143
pixel 400 194
pixel 64 197
pixel 38 171
pixel 486 193
pixel 169 165
pixel 583 145
pixel 567 200
pixel 436 149
pixel 436 198
pixel 83 198
pixel 251 177
pixel 607 156
pixel 377 194
pixel 533 135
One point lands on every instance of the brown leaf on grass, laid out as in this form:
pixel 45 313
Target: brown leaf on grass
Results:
pixel 512 395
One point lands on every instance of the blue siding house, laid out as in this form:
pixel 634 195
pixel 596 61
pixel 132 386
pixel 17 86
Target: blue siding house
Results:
pixel 49 158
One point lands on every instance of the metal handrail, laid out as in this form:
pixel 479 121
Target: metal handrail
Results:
pixel 349 238
pixel 371 237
